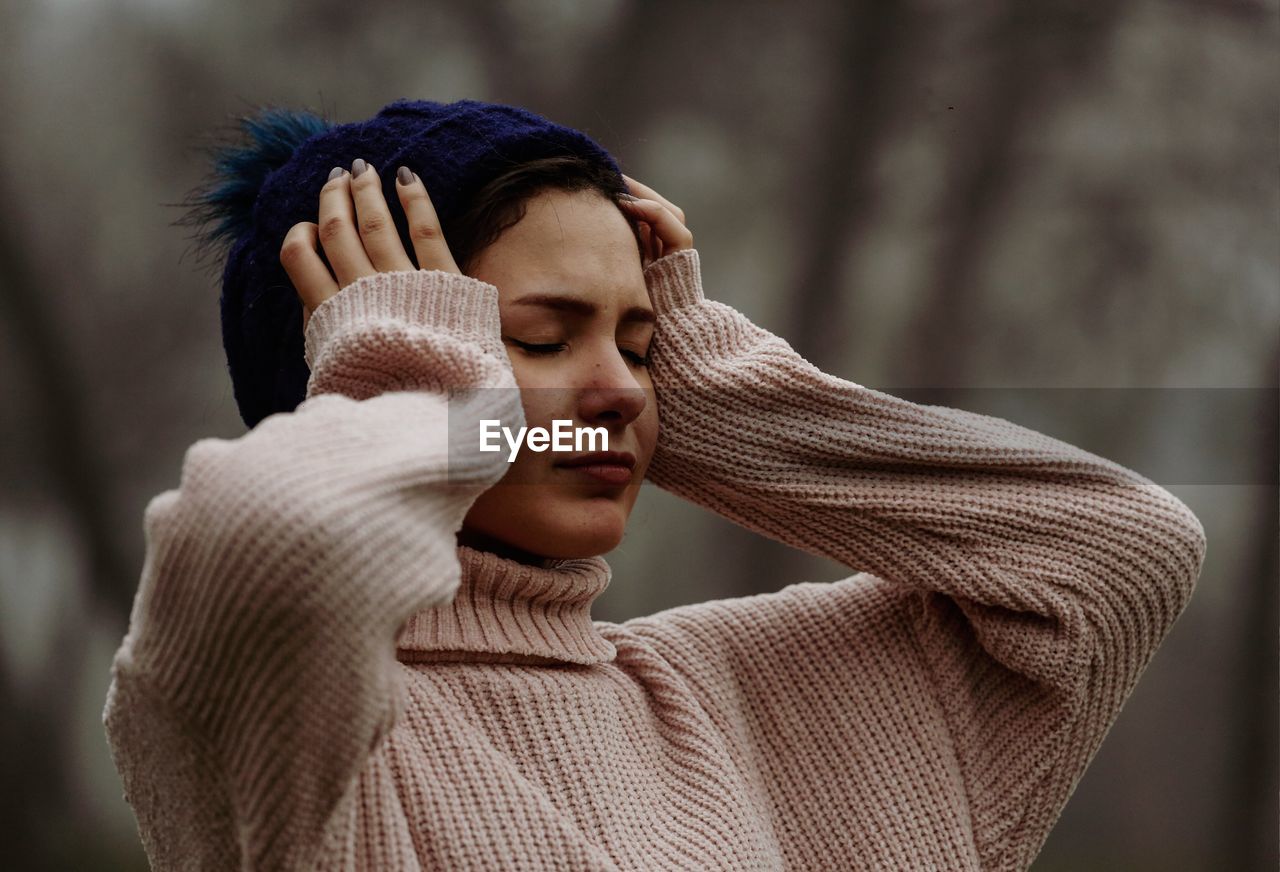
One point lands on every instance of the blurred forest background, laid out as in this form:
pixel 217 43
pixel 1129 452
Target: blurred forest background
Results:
pixel 1063 213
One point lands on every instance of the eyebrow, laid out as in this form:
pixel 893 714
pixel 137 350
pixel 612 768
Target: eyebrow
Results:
pixel 579 306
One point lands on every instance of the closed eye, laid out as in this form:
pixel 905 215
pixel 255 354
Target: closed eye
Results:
pixel 540 349
pixel 551 348
pixel 637 358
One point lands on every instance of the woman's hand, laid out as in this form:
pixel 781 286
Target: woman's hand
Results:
pixel 359 236
pixel 662 226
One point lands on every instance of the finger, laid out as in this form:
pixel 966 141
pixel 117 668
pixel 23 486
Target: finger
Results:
pixel 655 244
pixel 429 245
pixel 306 270
pixel 669 231
pixel 646 237
pixel 649 193
pixel 373 220
pixel 337 231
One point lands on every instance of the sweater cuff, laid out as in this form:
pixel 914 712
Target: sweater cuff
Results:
pixel 464 306
pixel 675 280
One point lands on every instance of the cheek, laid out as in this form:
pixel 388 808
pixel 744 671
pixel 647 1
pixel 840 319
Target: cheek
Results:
pixel 543 400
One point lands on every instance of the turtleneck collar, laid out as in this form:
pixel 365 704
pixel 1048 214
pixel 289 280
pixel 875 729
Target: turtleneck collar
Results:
pixel 506 611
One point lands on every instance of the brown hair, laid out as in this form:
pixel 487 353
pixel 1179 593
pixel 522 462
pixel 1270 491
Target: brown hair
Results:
pixel 503 201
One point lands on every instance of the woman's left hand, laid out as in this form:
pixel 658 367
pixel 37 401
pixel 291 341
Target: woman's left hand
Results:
pixel 662 222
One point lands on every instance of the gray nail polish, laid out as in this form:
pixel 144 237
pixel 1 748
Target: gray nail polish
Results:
pixel 405 177
pixel 334 173
pixel 358 166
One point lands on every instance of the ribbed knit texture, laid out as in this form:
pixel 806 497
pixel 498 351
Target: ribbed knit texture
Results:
pixel 317 676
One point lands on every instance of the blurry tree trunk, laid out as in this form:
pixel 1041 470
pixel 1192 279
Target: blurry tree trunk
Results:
pixel 58 415
pixel 497 39
pixel 1028 42
pixel 1246 832
pixel 612 78
pixel 835 192
pixel 618 70
pixel 37 732
pixel 834 197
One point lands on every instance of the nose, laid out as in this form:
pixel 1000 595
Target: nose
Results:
pixel 610 392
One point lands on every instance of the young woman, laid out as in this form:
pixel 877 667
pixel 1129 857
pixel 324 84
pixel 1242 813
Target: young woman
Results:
pixel 362 642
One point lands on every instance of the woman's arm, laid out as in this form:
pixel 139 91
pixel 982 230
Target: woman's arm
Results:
pixel 259 668
pixel 1045 576
pixel 280 571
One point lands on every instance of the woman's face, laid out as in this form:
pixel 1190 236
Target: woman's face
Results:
pixel 589 371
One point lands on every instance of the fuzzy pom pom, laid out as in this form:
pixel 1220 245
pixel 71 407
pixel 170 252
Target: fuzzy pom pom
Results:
pixel 223 208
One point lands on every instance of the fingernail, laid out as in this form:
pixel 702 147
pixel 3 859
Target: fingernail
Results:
pixel 404 176
pixel 627 197
pixel 335 172
pixel 358 166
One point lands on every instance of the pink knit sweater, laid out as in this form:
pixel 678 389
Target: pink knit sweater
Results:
pixel 318 676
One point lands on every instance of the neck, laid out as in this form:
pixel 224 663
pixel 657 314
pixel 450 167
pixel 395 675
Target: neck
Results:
pixel 484 542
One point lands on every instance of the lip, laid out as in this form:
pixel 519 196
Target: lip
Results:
pixel 597 458
pixel 611 467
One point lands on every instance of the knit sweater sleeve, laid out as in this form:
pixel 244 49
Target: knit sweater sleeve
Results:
pixel 259 672
pixel 1025 582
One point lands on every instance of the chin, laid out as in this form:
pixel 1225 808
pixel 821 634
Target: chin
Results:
pixel 558 527
pixel 585 530
pixel 580 541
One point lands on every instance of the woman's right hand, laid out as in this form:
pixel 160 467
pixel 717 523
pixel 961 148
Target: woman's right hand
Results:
pixel 359 236
pixel 663 228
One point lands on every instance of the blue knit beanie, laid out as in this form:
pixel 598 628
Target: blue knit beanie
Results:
pixel 274 182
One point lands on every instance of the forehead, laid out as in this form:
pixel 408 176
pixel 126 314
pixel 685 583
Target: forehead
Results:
pixel 567 242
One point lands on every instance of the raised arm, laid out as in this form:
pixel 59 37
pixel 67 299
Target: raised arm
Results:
pixel 259 671
pixel 1044 576
pixel 261 646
